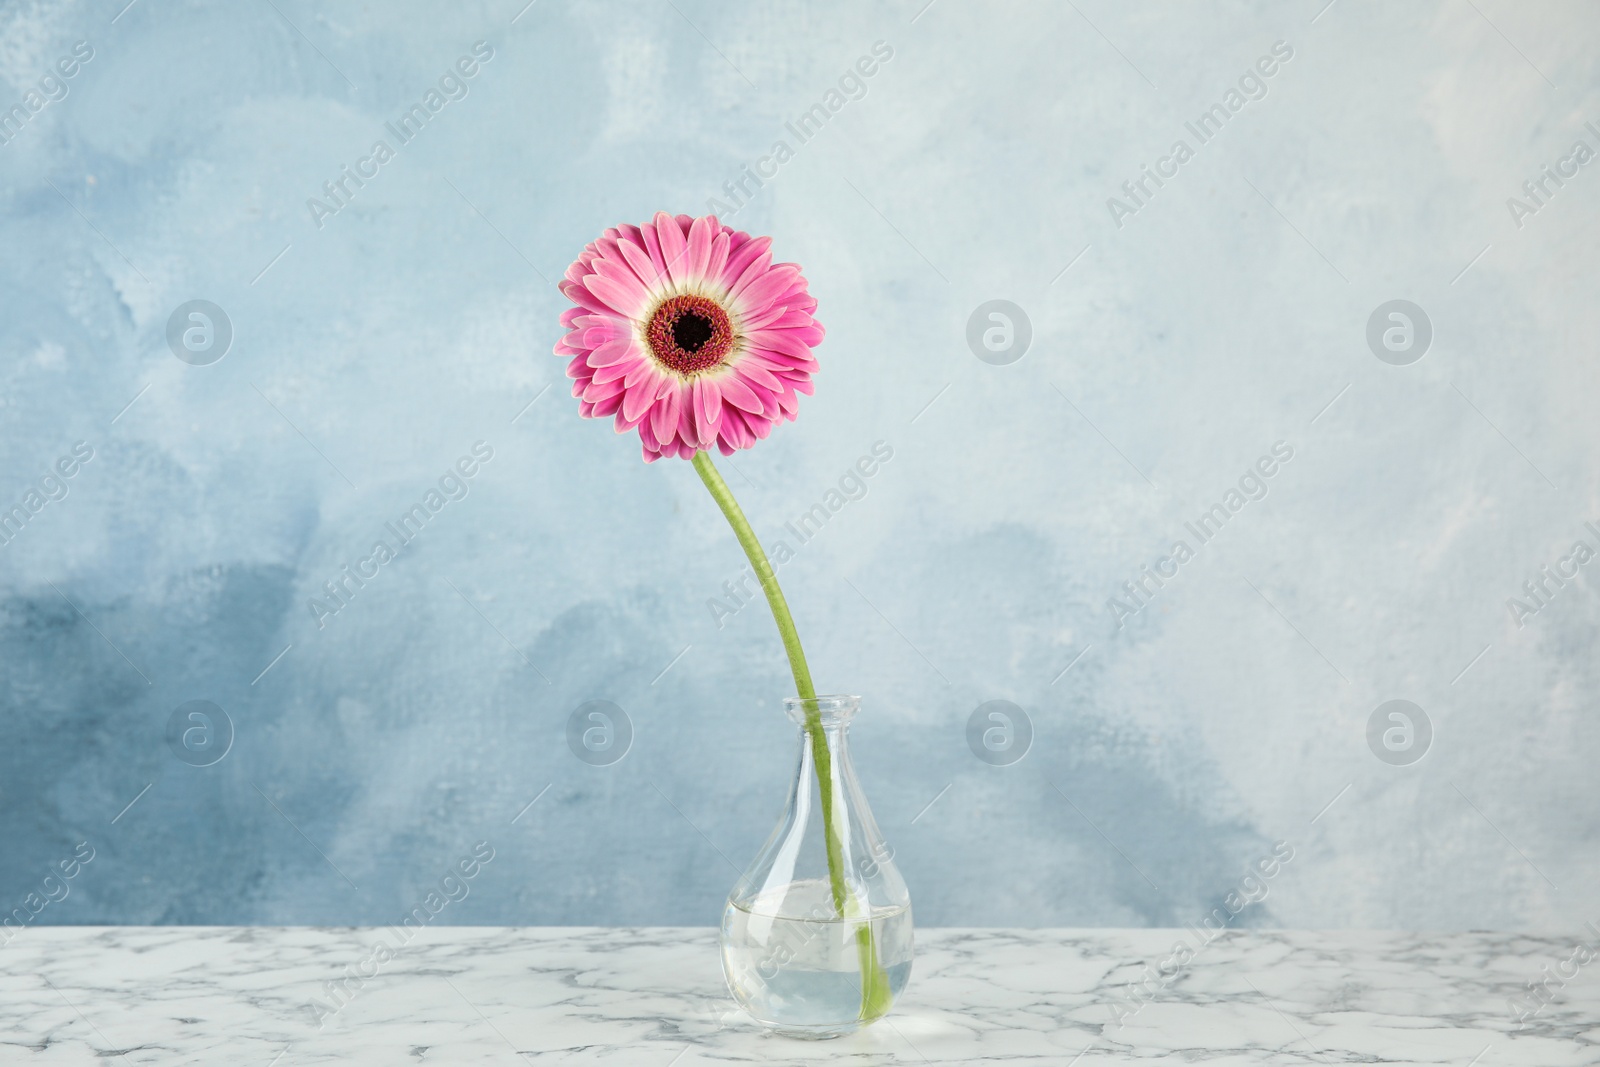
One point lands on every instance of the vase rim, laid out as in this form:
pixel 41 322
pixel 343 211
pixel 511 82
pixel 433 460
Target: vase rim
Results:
pixel 832 707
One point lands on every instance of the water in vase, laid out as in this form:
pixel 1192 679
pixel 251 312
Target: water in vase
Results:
pixel 800 971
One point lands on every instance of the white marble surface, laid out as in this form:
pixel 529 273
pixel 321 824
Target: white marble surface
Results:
pixel 643 997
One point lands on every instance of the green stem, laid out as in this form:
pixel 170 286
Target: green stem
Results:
pixel 769 578
pixel 874 984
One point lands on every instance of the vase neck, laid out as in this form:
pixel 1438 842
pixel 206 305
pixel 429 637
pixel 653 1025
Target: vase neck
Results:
pixel 835 754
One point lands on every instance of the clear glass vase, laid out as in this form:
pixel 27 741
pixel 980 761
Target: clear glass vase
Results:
pixel 816 938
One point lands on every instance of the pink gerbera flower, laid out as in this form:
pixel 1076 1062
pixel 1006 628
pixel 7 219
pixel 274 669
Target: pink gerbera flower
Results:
pixel 686 330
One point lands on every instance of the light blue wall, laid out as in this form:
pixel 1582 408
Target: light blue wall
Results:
pixel 1172 346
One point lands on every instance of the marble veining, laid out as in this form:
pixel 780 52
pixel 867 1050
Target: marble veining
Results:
pixel 287 997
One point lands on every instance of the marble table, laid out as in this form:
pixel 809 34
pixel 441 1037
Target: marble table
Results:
pixel 286 997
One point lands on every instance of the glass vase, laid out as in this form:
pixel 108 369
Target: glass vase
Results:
pixel 816 937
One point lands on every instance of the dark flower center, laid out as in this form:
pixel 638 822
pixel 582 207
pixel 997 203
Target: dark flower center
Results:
pixel 689 334
pixel 691 331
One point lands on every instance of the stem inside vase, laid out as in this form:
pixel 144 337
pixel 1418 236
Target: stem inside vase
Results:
pixel 875 993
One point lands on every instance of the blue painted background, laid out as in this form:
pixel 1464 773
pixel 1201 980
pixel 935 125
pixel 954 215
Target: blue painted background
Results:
pixel 1175 339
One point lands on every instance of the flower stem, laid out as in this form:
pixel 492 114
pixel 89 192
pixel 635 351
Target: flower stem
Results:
pixel 874 984
pixel 769 578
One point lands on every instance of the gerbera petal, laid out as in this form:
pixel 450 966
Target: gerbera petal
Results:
pixel 785 342
pixel 719 259
pixel 674 247
pixel 613 352
pixel 647 432
pixel 762 291
pixel 699 257
pixel 686 424
pixel 735 430
pixel 664 416
pixel 767 397
pixel 630 413
pixel 761 357
pixel 618 370
pixel 764 320
pixel 591 337
pixel 639 259
pixel 741 256
pixel 643 375
pixel 606 248
pixel 595 392
pixel 584 299
pixel 652 245
pixel 738 394
pixel 791 318
pixel 623 299
pixel 758 376
pixel 620 271
pixel 757 268
pixel 707 409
